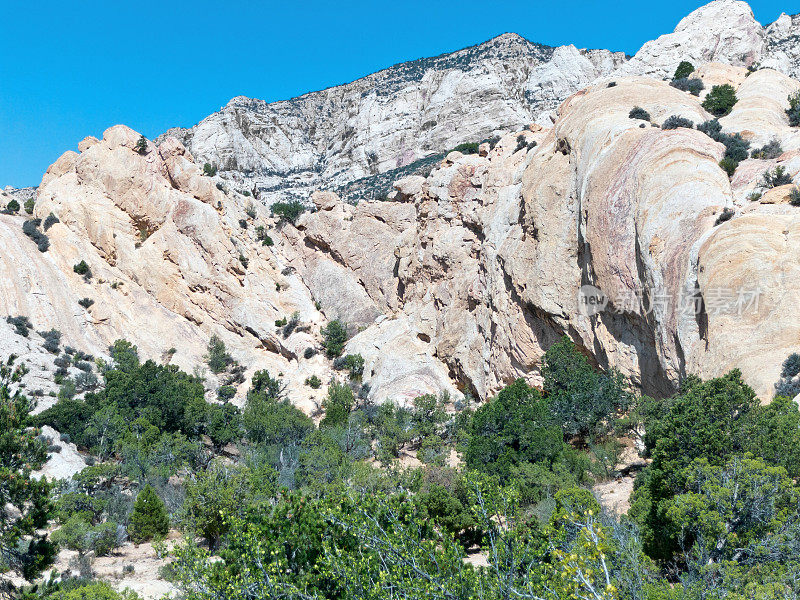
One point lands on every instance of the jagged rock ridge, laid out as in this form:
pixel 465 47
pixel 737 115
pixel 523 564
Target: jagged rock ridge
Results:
pixel 391 119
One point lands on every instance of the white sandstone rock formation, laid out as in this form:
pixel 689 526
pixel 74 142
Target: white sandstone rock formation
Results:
pixel 396 121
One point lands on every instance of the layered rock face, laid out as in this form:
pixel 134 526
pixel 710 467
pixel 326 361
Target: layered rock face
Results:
pixel 482 262
pixel 396 118
pixel 173 261
pixel 389 119
pixel 468 275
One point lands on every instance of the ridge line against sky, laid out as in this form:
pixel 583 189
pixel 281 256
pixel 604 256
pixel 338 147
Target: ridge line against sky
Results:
pixel 72 70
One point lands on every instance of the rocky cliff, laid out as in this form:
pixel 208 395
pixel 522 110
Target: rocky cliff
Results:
pixel 396 118
pixel 464 279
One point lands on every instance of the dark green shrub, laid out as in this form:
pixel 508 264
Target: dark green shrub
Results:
pixel 83 269
pixel 217 357
pixel 337 405
pixel 31 229
pixel 637 112
pixel 516 426
pixel 52 340
pixel 85 302
pixel 50 221
pixel 21 325
pixel 736 147
pixel 685 68
pixel 244 260
pixel 725 215
pixel 794 196
pixel 776 177
pixel 269 419
pixel 29 204
pixel 261 236
pixel 313 382
pixel 768 151
pixel 353 363
pixel 12 206
pixel 149 518
pixel 209 170
pixel 793 112
pixel 693 86
pixel 467 148
pixel 288 211
pixel 334 336
pixel 791 366
pixel 674 121
pixel 586 402
pixel 141 145
pixel 225 393
pixel 729 166
pixel 720 100
pixel 309 352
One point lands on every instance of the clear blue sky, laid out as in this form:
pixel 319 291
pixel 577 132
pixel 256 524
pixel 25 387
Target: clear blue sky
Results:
pixel 72 69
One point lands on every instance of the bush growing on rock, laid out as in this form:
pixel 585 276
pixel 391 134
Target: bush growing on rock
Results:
pixel 141 145
pixel 728 165
pixel 52 340
pixel 22 325
pixel 31 229
pixel 637 112
pixel 288 211
pixel 12 206
pixel 263 237
pixel 334 336
pixel 217 357
pixel 768 151
pixel 209 170
pixel 85 302
pixel 720 100
pixel 467 148
pixel 674 121
pixel 794 196
pixel 693 86
pixel 50 221
pixel 725 215
pixel 29 204
pixel 225 393
pixel 776 177
pixel 685 68
pixel 793 112
pixel 353 363
pixel 82 269
pixel 149 517
pixel 313 382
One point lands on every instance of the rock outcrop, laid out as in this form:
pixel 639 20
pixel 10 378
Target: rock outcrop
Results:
pixel 395 121
pixel 389 119
pixel 483 260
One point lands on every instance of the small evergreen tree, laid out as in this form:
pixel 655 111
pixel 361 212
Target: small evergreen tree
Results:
pixel 217 358
pixel 335 336
pixel 684 70
pixel 12 206
pixel 20 453
pixel 149 518
pixel 720 100
pixel 141 145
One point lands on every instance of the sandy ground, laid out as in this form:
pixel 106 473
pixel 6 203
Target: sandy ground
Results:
pixel 144 580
